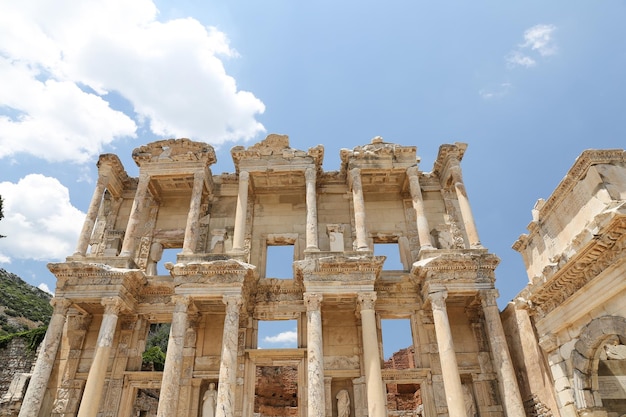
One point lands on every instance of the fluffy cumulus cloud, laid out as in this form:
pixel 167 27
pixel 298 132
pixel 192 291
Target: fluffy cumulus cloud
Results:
pixel 538 40
pixel 63 60
pixel 283 338
pixel 39 221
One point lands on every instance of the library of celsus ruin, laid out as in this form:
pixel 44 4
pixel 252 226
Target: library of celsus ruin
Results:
pixel 462 361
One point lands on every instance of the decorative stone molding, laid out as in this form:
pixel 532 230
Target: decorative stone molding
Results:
pixel 604 251
pixel 175 150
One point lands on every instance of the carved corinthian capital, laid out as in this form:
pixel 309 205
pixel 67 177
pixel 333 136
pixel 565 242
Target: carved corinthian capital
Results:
pixel 367 300
pixel 313 301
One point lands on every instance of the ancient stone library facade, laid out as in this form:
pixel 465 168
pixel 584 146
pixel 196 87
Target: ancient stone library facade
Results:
pixel 561 351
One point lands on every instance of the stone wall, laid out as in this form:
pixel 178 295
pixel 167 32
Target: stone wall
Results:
pixel 16 359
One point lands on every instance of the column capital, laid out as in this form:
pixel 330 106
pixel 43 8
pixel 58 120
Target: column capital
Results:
pixel 181 303
pixel 488 298
pixel 313 301
pixel 60 305
pixel 355 177
pixel 232 301
pixel 367 300
pixel 412 171
pixel 438 299
pixel 144 176
pixel 112 305
pixel 244 175
pixel 310 174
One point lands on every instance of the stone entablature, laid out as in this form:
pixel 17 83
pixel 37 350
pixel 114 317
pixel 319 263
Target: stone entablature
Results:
pixel 221 288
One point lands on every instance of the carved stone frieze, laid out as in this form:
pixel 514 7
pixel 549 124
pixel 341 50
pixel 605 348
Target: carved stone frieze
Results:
pixel 607 249
pixel 175 150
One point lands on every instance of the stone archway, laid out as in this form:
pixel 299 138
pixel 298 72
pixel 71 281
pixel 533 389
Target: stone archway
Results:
pixel 586 357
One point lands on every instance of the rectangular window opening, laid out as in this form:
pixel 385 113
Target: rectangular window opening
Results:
pixel 278 334
pixel 279 261
pixel 169 255
pixel 398 349
pixel 392 252
pixel 153 358
pixel 276 391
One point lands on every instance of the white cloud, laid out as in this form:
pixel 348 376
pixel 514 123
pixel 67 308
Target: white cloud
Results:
pixel 63 59
pixel 288 337
pixel 496 92
pixel 516 58
pixel 537 39
pixel 44 287
pixel 39 222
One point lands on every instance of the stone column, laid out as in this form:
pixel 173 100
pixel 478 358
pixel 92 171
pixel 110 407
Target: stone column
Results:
pixel 359 210
pixel 139 205
pixel 315 356
pixel 47 354
pixel 464 205
pixel 228 364
pixel 311 210
pixel 512 399
pixel 170 382
pixel 92 214
pixel 423 230
pixel 241 212
pixel 376 404
pixel 92 395
pixel 447 356
pixel 193 217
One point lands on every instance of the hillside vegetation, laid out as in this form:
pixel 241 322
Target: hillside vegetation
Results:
pixel 22 306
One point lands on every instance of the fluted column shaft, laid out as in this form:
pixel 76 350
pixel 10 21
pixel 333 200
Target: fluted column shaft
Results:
pixel 90 218
pixel 193 217
pixel 464 205
pixel 170 382
pixel 423 230
pixel 447 356
pixel 315 356
pixel 359 210
pixel 513 405
pixel 139 205
pixel 228 364
pixel 241 212
pixel 376 404
pixel 311 210
pixel 92 395
pixel 47 354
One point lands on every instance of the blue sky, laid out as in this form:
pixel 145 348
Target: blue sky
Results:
pixel 528 85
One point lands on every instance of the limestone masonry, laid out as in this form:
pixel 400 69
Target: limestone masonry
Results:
pixel 561 352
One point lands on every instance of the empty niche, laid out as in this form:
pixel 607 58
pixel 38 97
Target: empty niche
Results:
pixel 278 334
pixel 398 349
pixel 279 261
